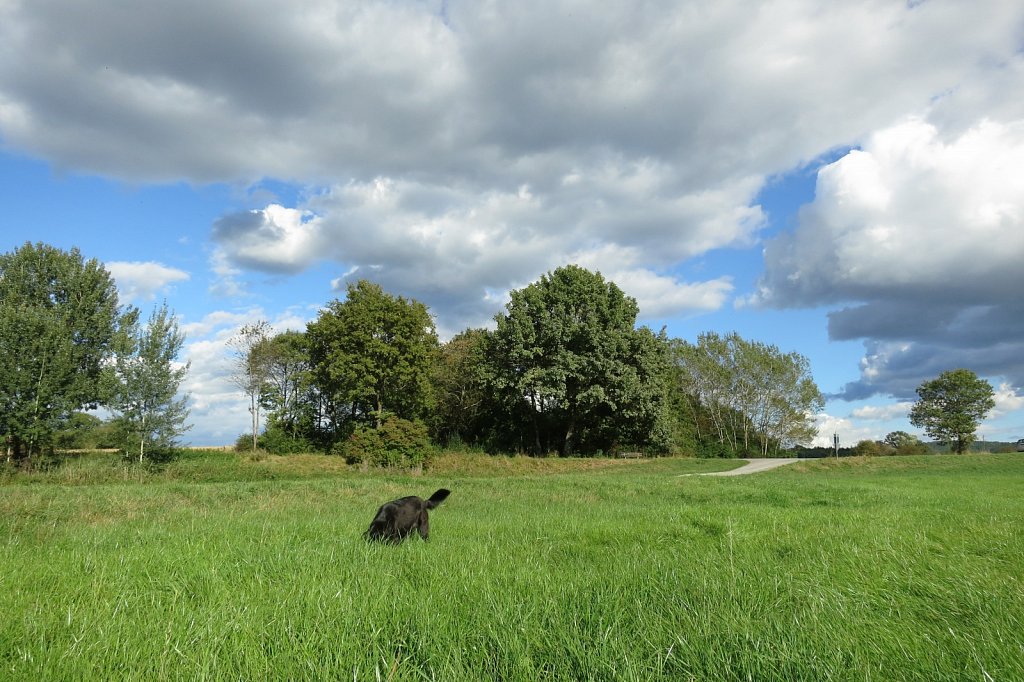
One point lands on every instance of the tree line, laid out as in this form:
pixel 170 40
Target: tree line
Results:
pixel 565 370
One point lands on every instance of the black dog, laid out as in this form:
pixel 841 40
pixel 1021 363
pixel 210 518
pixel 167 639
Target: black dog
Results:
pixel 396 520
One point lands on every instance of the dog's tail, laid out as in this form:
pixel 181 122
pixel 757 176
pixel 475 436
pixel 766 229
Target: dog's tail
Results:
pixel 438 497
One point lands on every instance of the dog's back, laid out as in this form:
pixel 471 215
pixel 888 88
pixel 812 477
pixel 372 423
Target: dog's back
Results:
pixel 397 519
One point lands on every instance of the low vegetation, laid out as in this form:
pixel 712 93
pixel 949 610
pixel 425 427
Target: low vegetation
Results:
pixel 227 566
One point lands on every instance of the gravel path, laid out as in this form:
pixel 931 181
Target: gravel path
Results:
pixel 753 466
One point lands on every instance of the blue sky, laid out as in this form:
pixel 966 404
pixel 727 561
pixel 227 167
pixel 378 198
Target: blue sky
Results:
pixel 844 180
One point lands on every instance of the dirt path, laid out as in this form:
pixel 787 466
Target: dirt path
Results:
pixel 753 466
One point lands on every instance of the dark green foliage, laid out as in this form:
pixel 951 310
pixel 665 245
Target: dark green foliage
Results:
pixel 371 354
pixel 83 431
pixel 903 443
pixel 289 393
pixel 58 316
pixel 278 441
pixel 566 371
pixel 710 448
pixel 871 448
pixel 950 407
pixel 573 372
pixel 396 442
pixel 462 404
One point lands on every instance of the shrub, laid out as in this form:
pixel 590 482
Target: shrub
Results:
pixel 872 448
pixel 713 450
pixel 277 441
pixel 917 448
pixel 397 443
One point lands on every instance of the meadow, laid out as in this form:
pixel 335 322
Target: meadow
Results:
pixel 219 566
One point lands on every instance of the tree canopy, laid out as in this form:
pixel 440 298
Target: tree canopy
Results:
pixel 372 354
pixel 147 378
pixel 746 396
pixel 950 407
pixel 250 370
pixel 567 355
pixel 58 316
pixel 461 399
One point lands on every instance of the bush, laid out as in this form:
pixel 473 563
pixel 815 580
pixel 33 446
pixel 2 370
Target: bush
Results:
pixel 714 450
pixel 397 443
pixel 917 448
pixel 278 442
pixel 872 448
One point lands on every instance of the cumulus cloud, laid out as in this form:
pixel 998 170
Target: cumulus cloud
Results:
pixel 142 281
pixel 906 217
pixel 460 148
pixel 316 90
pixel 850 432
pixel 274 239
pixel 1008 400
pixel 453 246
pixel 917 238
pixel 882 412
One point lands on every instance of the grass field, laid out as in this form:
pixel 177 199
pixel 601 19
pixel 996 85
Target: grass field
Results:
pixel 218 567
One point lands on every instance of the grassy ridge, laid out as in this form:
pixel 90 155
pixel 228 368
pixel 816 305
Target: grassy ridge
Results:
pixel 904 568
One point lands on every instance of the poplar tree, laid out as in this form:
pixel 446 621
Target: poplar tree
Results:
pixel 148 377
pixel 251 368
pixel 753 396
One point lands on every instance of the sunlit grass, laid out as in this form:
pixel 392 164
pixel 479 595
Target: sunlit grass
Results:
pixel 886 569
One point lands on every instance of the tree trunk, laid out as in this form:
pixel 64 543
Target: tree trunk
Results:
pixel 255 419
pixel 567 441
pixel 536 425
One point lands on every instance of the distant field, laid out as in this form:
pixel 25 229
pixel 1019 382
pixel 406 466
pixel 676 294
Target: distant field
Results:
pixel 223 567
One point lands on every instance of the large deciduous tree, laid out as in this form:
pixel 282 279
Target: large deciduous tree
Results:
pixel 461 399
pixel 372 354
pixel 145 398
pixel 58 316
pixel 950 407
pixel 567 355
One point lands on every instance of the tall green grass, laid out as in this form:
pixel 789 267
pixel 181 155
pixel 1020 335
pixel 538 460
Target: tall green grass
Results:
pixel 904 568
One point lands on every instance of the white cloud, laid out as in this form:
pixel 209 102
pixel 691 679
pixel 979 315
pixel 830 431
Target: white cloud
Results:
pixel 849 431
pixel 1008 400
pixel 451 245
pixel 468 147
pixel 142 281
pixel 910 213
pixel 889 412
pixel 274 239
pixel 921 236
